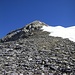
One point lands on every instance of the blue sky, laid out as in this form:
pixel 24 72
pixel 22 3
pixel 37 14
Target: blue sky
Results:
pixel 17 13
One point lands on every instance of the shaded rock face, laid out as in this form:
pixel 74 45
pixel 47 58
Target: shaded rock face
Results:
pixel 24 32
pixel 31 51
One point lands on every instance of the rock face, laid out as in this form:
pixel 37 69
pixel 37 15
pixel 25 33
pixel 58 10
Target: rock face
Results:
pixel 31 51
pixel 24 32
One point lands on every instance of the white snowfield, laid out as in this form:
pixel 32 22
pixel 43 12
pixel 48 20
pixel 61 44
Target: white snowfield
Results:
pixel 59 31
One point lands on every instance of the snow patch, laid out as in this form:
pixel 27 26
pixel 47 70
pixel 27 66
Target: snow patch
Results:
pixel 59 31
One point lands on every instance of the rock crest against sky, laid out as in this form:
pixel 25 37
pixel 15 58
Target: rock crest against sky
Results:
pixel 17 13
pixel 56 31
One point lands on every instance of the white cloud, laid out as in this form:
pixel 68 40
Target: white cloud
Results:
pixel 59 31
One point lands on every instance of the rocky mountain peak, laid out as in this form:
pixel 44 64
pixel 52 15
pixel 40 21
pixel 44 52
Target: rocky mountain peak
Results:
pixel 37 22
pixel 35 25
pixel 24 32
pixel 31 51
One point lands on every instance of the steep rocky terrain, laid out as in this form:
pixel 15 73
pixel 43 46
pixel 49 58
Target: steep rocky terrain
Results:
pixel 31 51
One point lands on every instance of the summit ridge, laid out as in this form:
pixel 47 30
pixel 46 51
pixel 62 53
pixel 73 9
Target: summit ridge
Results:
pixel 25 31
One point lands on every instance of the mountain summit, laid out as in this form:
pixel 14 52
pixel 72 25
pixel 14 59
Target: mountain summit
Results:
pixel 24 32
pixel 32 50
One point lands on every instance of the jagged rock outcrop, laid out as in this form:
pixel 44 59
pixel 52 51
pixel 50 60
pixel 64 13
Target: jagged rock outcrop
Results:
pixel 24 32
pixel 31 51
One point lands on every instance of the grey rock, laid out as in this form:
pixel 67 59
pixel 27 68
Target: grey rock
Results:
pixel 30 50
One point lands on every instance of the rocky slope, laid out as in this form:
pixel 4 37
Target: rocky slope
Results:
pixel 31 51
